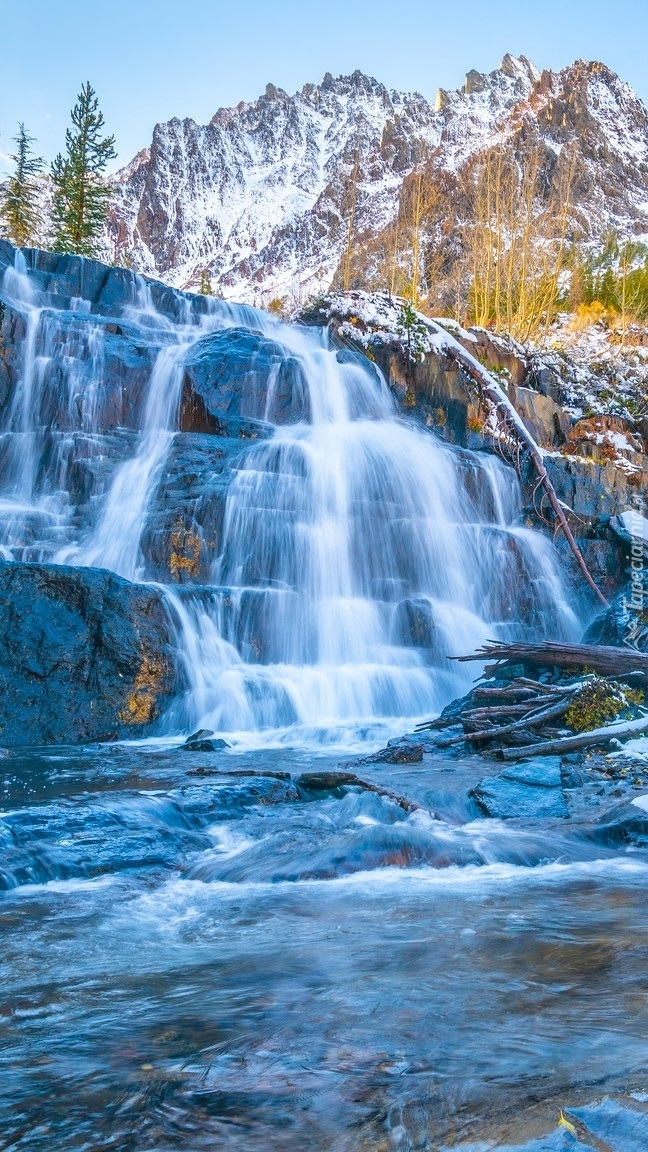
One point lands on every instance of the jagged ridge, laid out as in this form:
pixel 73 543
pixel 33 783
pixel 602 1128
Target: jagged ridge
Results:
pixel 261 195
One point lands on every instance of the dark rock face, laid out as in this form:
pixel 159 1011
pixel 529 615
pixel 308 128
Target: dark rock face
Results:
pixel 625 824
pixel 529 791
pixel 84 655
pixel 241 373
pixel 623 624
pixel 184 526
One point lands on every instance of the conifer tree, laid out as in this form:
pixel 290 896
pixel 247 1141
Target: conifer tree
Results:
pixel 81 195
pixel 19 200
pixel 204 283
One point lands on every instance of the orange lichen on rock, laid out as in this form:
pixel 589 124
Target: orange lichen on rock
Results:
pixel 185 553
pixel 141 705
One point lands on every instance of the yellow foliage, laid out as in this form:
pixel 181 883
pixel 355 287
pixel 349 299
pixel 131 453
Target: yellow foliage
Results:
pixel 587 315
pixel 597 703
pixel 277 306
pixel 563 1122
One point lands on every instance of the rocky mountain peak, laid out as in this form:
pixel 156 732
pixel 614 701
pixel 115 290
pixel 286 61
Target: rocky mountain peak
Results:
pixel 260 197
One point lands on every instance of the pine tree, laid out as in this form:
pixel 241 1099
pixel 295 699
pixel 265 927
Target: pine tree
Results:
pixel 204 283
pixel 81 195
pixel 19 200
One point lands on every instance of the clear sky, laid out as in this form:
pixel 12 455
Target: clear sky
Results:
pixel 150 60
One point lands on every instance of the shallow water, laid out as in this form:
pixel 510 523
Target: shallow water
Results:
pixel 251 960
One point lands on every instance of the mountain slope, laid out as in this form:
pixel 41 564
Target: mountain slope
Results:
pixel 262 196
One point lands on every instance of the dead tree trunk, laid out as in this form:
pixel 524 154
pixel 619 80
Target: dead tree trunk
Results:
pixel 574 743
pixel 601 658
pixel 497 398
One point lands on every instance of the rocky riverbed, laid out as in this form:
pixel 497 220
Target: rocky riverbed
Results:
pixel 234 564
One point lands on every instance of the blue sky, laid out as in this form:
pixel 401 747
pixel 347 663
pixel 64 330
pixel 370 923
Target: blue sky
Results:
pixel 153 59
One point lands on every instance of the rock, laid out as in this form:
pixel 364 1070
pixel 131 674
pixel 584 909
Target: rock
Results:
pixel 201 734
pixel 405 753
pixel 414 624
pixel 400 751
pixel 84 656
pixel 611 1125
pixel 205 745
pixel 546 420
pixel 200 742
pixel 239 372
pixel 530 790
pixel 540 773
pixel 626 823
pixel 624 624
pixel 184 523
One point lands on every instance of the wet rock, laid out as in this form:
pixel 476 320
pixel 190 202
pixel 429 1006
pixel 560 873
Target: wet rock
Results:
pixel 200 742
pixel 414 624
pixel 529 790
pixel 403 752
pixel 184 524
pixel 84 656
pixel 625 823
pixel 99 375
pixel 239 372
pixel 612 1125
pixel 623 624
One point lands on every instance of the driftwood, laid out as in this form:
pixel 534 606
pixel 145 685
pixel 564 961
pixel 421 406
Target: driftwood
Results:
pixel 496 397
pixel 574 743
pixel 605 660
pixel 522 710
pixel 315 782
pixel 529 720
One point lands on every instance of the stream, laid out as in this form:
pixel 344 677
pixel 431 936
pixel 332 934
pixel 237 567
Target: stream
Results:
pixel 240 948
pixel 226 950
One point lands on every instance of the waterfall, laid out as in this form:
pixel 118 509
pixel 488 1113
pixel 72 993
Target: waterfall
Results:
pixel 358 551
pixel 115 543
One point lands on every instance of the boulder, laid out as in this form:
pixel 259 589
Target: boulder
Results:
pixel 530 790
pixel 84 656
pixel 239 372
pixel 626 823
pixel 623 624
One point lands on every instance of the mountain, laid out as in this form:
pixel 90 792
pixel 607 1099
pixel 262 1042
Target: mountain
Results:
pixel 262 196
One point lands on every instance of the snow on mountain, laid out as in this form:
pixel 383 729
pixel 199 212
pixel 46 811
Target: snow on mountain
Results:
pixel 261 196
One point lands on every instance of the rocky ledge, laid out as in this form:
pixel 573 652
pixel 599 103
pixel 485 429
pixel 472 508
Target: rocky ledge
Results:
pixel 84 656
pixel 583 397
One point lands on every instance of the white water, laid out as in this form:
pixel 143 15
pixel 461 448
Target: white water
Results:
pixel 340 535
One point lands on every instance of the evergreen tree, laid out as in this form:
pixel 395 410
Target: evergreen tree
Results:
pixel 81 195
pixel 204 283
pixel 19 200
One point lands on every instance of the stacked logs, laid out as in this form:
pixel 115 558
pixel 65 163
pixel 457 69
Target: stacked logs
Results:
pixel 526 716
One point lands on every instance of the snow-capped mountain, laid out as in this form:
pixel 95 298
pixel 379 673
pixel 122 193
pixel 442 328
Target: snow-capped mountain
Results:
pixel 261 197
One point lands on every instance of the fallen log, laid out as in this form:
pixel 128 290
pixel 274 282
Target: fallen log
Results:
pixel 505 693
pixel 503 406
pixel 604 659
pixel 530 720
pixel 575 743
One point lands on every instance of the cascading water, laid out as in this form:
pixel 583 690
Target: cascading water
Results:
pixel 357 551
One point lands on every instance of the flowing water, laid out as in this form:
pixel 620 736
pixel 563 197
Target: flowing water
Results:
pixel 235 949
pixel 345 534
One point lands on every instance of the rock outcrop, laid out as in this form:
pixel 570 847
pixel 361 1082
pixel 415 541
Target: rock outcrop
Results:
pixel 597 463
pixel 84 656
pixel 241 373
